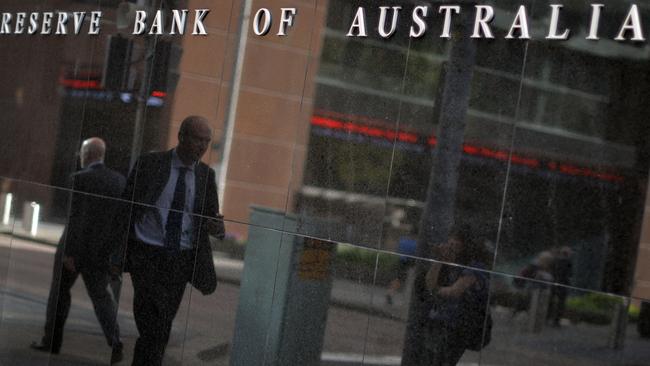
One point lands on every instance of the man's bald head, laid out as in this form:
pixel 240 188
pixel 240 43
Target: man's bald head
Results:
pixel 193 139
pixel 92 150
pixel 193 123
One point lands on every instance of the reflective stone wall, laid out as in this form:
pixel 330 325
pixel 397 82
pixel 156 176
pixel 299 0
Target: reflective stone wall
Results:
pixel 387 200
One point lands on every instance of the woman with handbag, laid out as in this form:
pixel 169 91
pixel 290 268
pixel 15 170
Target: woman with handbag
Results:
pixel 459 317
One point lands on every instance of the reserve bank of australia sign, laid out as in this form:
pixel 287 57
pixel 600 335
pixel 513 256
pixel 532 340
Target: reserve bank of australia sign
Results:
pixel 265 23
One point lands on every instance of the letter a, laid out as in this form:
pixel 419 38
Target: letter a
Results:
pixel 521 23
pixel 359 23
pixel 633 23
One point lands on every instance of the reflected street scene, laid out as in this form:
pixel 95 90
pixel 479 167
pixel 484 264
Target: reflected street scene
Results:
pixel 324 182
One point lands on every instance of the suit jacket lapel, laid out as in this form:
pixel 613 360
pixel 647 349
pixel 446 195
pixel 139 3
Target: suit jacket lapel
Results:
pixel 199 188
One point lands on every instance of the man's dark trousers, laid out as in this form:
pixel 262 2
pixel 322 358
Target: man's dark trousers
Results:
pixel 58 304
pixel 158 283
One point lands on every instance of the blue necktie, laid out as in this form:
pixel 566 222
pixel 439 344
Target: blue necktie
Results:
pixel 174 224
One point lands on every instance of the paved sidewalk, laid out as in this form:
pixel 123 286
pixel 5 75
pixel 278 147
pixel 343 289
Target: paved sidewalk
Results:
pixel 349 294
pixel 85 345
pixel 571 345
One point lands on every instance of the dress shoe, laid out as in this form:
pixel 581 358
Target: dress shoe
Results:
pixel 43 348
pixel 117 355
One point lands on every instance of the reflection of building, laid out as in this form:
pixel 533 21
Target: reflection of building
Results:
pixel 573 125
pixel 577 152
pixel 272 84
pixel 58 100
pixel 576 138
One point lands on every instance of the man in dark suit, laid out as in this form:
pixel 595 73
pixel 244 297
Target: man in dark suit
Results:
pixel 175 208
pixel 96 189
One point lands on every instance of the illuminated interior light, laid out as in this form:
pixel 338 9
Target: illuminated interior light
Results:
pixel 80 83
pixel 35 214
pixel 7 209
pixel 154 102
pixel 126 97
pixel 479 151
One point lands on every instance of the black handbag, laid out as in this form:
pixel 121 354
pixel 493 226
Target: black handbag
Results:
pixel 478 337
pixel 476 319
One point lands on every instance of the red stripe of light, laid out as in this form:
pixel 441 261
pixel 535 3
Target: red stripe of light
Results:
pixel 364 130
pixel 326 122
pixel 481 151
pixel 80 84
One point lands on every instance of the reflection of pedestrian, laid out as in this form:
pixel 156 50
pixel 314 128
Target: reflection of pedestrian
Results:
pixel 540 268
pixel 459 300
pixel 561 270
pixel 80 252
pixel 537 293
pixel 544 268
pixel 175 208
pixel 406 248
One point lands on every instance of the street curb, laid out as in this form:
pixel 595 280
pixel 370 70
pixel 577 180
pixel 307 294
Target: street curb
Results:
pixel 31 238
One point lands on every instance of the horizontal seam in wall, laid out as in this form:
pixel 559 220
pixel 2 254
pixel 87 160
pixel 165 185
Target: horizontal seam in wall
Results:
pixel 279 46
pixel 282 190
pixel 202 77
pixel 262 140
pixel 277 94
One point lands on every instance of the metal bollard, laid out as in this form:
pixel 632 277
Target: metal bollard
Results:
pixel 538 308
pixel 6 201
pixel 619 325
pixel 31 212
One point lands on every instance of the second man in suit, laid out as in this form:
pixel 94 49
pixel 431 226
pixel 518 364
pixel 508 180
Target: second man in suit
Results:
pixel 81 249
